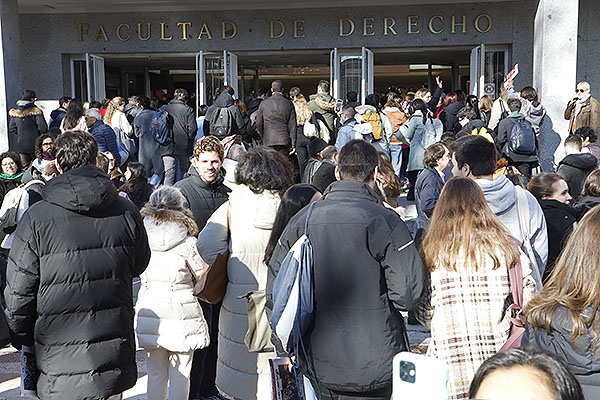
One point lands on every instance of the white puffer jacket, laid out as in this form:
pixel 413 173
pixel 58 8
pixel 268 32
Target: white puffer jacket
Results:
pixel 167 313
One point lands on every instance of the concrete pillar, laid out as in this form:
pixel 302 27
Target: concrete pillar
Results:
pixel 554 70
pixel 10 73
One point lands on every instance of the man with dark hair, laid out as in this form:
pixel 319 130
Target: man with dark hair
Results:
pixel 69 278
pixel 346 131
pixel 276 121
pixel 576 165
pixel 352 99
pixel 366 270
pixel 56 116
pixel 175 153
pixel 589 138
pixel 325 174
pixel 255 102
pixel 323 104
pixel 475 157
pixel 471 124
pixel 148 148
pixel 132 109
pixel 204 191
pixel 223 118
pixel 25 124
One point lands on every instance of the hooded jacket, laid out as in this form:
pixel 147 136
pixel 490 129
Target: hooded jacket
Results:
pixel 26 123
pixel 366 270
pixel 324 104
pixel 448 117
pixel 184 129
pixel 69 280
pixel 56 117
pixel 501 196
pixel 575 168
pixel 586 203
pixel 504 134
pixel 225 100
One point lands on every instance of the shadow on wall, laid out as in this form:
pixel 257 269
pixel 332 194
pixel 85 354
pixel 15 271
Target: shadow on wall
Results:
pixel 549 142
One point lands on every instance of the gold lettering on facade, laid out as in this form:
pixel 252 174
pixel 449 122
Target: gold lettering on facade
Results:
pixel 101 33
pixel 350 23
pixel 139 29
pixel 184 26
pixel 388 24
pixel 463 24
pixel 83 30
pixel 413 22
pixel 205 31
pixel 281 29
pixel 225 30
pixel 299 28
pixel 368 27
pixel 163 31
pixel 119 35
pixel 431 27
pixel 489 23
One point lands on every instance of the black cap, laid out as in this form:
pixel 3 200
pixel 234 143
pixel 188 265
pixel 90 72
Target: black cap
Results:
pixel 316 146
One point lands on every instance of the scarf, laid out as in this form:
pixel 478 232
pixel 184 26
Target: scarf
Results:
pixel 579 104
pixel 12 178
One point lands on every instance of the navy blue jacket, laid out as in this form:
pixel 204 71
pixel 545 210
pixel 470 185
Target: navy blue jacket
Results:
pixel 107 139
pixel 427 191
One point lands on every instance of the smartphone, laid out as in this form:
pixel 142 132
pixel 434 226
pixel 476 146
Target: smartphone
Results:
pixel 417 376
pixel 338 105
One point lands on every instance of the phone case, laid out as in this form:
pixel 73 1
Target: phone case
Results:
pixel 428 381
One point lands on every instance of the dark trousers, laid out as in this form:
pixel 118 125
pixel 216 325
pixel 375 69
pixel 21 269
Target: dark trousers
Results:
pixel 204 364
pixel 302 151
pixel 381 394
pixel 526 168
pixel 412 178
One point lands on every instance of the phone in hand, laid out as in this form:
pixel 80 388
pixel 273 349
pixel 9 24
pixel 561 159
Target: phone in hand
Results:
pixel 338 105
pixel 417 376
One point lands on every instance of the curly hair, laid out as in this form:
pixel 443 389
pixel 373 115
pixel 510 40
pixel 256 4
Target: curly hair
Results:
pixel 208 144
pixel 262 168
pixel 112 108
pixel 14 156
pixel 38 150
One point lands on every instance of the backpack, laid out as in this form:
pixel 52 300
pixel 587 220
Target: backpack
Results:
pixel 220 122
pixel 433 132
pixel 162 127
pixel 373 118
pixel 14 205
pixel 483 132
pixel 522 139
pixel 293 296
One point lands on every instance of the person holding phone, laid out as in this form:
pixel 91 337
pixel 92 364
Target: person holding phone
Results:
pixel 583 109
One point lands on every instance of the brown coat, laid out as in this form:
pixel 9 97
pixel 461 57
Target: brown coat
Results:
pixel 588 116
pixel 397 118
pixel 276 121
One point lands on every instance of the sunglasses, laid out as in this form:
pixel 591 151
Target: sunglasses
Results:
pixel 581 90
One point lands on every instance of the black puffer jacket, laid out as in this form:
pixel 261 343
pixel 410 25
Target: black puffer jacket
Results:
pixel 25 125
pixel 69 286
pixel 203 197
pixel 366 269
pixel 575 168
pixel 581 357
pixel 224 101
pixel 586 203
pixel 184 129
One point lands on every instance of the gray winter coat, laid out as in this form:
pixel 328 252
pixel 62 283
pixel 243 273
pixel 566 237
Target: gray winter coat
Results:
pixel 149 153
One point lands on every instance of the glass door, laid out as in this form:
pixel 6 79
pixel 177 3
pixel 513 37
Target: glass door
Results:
pixel 477 71
pixel 230 67
pixel 96 84
pixel 200 81
pixel 351 70
pixel 367 74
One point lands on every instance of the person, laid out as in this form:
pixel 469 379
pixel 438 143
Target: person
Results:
pixel 149 153
pixel 56 116
pixel 465 307
pixel 346 131
pixel 589 139
pixel 429 186
pixel 325 173
pixel 431 100
pixel 368 119
pixel 170 324
pixel 315 148
pixel 276 121
pixel 132 108
pixel 415 133
pixel 525 163
pixel 387 185
pixel 475 157
pixel 205 192
pixel 563 318
pixel 447 115
pixel 11 174
pixel 74 118
pixel 576 166
pixel 175 154
pixel 590 195
pixel 499 108
pixel 44 155
pixel 246 131
pixel 351 99
pixel 531 108
pixel 263 175
pixel 223 102
pixel 395 109
pixel 202 109
pixel 26 123
pixel 485 106
pixel 469 122
pixel 364 250
pixel 105 136
pixel 473 103
pixel 303 115
pixel 552 192
pixel 115 116
pixel 107 163
pixel 136 185
pixel 293 200
pixel 530 374
pixel 583 109
pixel 323 104
pixel 84 233
pixel 254 103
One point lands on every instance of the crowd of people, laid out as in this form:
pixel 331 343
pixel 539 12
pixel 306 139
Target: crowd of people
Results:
pixel 95 198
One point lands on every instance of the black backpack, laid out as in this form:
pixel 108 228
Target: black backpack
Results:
pixel 522 139
pixel 220 122
pixel 162 126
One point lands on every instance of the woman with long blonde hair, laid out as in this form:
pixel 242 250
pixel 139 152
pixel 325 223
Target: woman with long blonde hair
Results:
pixel 467 250
pixel 116 118
pixel 563 318
pixel 303 114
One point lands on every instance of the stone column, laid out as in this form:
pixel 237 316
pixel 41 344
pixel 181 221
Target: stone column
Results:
pixel 10 73
pixel 555 70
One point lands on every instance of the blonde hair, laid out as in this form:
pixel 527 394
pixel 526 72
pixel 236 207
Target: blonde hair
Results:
pixel 112 108
pixel 486 103
pixel 303 113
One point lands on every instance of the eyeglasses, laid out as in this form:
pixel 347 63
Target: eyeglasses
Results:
pixel 581 90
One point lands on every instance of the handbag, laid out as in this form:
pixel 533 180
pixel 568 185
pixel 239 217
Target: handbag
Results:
pixel 258 336
pixel 215 276
pixel 514 311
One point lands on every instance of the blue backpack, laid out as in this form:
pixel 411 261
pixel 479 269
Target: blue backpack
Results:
pixel 162 126
pixel 293 298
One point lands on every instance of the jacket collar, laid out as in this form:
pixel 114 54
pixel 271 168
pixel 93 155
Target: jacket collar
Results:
pixel 214 185
pixel 346 189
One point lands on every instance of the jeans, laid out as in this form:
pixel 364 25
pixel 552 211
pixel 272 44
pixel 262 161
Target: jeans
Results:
pixel 396 157
pixel 175 167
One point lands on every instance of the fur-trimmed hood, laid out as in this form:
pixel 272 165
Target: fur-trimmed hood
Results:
pixel 24 109
pixel 167 228
pixel 324 101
